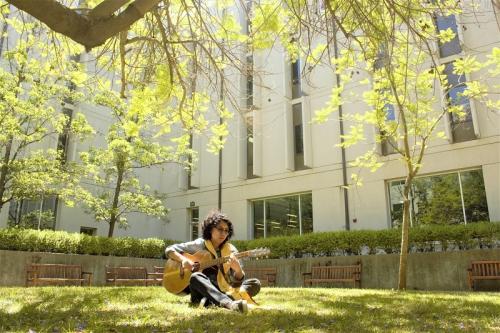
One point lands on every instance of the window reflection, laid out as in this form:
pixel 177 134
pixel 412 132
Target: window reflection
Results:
pixel 284 216
pixel 452 47
pixel 453 198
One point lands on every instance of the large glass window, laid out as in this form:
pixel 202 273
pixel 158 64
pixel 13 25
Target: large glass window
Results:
pixel 283 216
pixel 33 214
pixel 452 198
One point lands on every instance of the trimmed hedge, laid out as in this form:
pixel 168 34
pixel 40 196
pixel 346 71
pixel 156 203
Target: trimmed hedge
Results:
pixel 422 239
pixel 74 243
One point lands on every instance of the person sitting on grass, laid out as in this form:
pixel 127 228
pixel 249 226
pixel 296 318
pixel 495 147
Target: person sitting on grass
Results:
pixel 219 285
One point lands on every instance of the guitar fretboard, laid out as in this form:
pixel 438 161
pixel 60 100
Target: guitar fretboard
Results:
pixel 221 260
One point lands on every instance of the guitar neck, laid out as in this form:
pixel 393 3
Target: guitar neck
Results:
pixel 221 260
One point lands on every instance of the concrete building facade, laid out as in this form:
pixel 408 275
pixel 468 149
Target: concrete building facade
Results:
pixel 281 174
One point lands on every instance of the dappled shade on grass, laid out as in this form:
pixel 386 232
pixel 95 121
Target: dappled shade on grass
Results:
pixel 141 309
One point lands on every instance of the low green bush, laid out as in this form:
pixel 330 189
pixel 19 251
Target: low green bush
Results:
pixel 73 243
pixel 422 239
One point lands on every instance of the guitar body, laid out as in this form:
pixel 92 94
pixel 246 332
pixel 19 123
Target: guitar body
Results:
pixel 176 280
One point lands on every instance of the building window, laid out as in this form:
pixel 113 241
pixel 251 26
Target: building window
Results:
pixel 62 141
pixel 190 168
pixel 249 79
pixel 388 143
pixel 194 223
pixel 452 47
pixel 296 86
pixel 249 142
pixel 462 128
pixel 452 198
pixel 88 231
pixel 33 214
pixel 298 137
pixel 283 216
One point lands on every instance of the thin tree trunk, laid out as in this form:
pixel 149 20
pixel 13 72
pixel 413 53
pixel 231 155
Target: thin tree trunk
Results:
pixel 4 170
pixel 114 208
pixel 405 228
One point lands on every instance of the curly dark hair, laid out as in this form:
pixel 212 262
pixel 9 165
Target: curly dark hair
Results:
pixel 212 220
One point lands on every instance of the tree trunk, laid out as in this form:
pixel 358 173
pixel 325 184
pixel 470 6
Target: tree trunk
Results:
pixel 114 208
pixel 405 228
pixel 4 170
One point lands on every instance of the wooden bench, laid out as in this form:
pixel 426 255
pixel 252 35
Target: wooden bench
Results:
pixel 483 270
pixel 129 276
pixel 267 276
pixel 56 274
pixel 333 273
pixel 157 275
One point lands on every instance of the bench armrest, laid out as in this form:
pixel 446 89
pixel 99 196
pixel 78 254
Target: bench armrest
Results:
pixel 304 275
pixel 155 275
pixel 271 277
pixel 89 277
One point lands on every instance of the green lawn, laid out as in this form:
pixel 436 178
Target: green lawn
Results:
pixel 151 309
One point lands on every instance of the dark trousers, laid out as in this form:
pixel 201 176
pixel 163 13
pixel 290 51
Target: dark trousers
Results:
pixel 201 285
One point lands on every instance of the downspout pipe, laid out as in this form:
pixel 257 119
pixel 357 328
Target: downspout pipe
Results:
pixel 342 148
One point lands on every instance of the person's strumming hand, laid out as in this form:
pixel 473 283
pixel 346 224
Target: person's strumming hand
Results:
pixel 189 264
pixel 234 263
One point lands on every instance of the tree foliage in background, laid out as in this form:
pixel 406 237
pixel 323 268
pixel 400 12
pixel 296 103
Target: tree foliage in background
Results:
pixel 393 44
pixel 198 41
pixel 130 146
pixel 34 82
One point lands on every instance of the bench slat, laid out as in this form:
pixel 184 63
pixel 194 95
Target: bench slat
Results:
pixel 54 274
pixel 320 274
pixel 129 276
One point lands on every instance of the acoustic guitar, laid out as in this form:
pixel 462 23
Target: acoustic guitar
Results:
pixel 176 279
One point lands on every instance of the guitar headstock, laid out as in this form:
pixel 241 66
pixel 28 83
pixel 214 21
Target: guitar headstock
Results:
pixel 260 252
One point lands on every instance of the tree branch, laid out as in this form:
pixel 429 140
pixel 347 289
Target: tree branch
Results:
pixel 106 9
pixel 85 30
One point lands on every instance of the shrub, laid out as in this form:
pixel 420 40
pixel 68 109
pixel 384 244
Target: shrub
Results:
pixel 422 239
pixel 18 239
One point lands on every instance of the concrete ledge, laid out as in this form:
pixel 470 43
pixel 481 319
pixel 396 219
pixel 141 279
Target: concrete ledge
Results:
pixel 426 271
pixel 13 264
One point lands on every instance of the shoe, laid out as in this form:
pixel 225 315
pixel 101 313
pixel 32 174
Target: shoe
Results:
pixel 240 306
pixel 202 302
